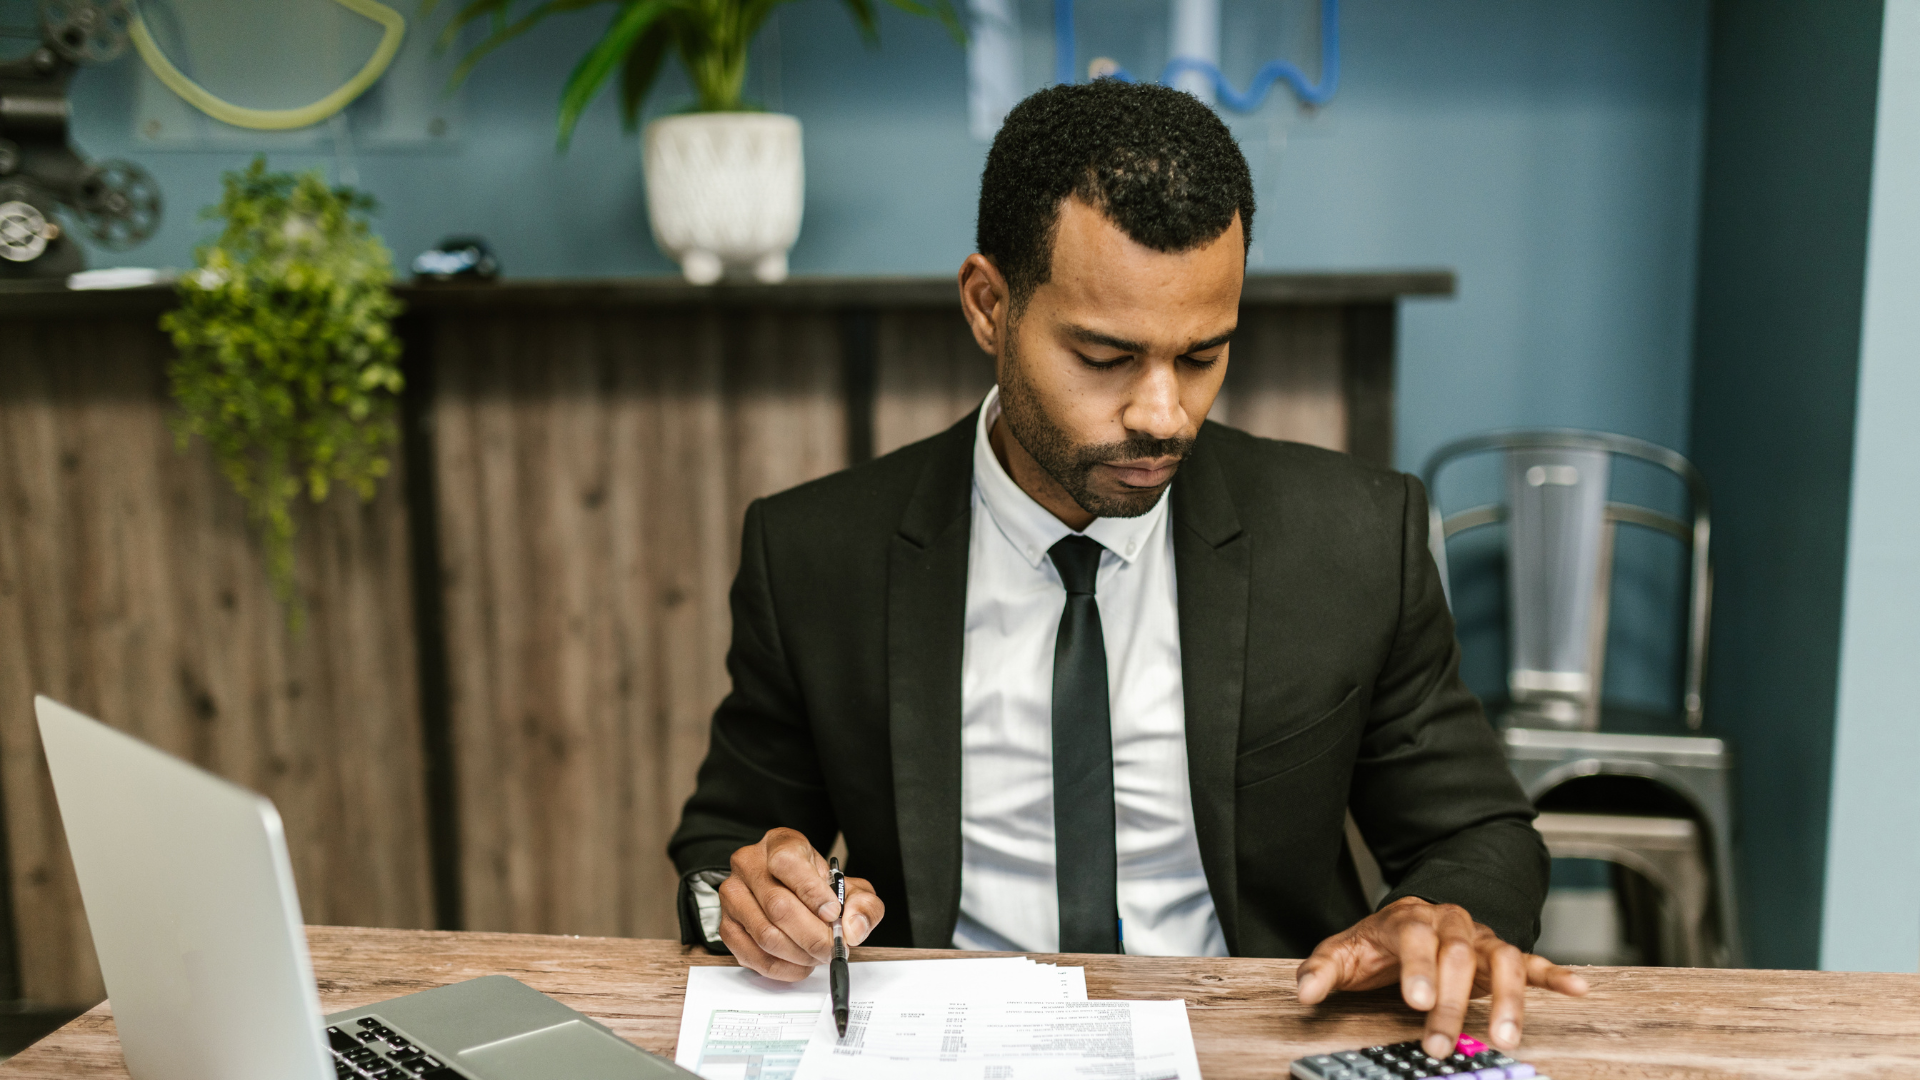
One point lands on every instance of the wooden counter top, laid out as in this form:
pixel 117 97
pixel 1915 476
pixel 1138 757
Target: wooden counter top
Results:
pixel 1638 1022
pixel 547 566
pixel 52 298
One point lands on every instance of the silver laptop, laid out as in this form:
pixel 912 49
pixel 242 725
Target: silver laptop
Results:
pixel 190 897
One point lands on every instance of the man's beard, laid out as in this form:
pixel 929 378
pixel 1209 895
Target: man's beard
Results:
pixel 1072 466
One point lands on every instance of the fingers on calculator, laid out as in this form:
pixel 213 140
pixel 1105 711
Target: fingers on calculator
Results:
pixel 1471 1060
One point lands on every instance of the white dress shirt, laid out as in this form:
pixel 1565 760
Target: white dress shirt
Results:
pixel 1014 601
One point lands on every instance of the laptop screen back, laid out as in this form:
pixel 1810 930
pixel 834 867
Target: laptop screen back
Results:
pixel 190 898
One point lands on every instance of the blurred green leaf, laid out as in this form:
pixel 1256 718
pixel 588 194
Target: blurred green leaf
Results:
pixel 865 19
pixel 606 56
pixel 711 38
pixel 641 70
pixel 942 10
pixel 503 31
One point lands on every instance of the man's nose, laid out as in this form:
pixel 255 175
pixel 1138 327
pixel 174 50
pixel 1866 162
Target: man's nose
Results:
pixel 1154 409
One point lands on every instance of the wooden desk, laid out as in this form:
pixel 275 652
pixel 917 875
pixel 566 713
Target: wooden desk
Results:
pixel 1638 1022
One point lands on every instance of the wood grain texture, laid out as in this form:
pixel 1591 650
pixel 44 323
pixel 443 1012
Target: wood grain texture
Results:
pixel 593 448
pixel 1368 352
pixel 1637 1024
pixel 593 473
pixel 592 469
pixel 131 588
pixel 33 298
pixel 1287 377
pixel 930 374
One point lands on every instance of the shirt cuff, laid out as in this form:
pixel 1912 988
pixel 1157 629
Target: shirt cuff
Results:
pixel 704 887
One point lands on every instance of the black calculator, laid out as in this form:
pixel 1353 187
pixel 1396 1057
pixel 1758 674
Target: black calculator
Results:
pixel 1471 1060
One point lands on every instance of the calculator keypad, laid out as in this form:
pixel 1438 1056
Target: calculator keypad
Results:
pixel 1471 1060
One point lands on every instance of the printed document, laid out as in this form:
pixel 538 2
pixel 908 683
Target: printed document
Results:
pixel 740 1026
pixel 1002 1040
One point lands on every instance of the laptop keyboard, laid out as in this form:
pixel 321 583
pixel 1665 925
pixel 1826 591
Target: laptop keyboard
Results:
pixel 367 1049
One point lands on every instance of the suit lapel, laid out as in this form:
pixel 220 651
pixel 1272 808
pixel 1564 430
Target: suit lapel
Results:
pixel 926 628
pixel 1210 557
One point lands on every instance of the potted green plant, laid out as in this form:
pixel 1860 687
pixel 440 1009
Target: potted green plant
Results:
pixel 725 181
pixel 288 366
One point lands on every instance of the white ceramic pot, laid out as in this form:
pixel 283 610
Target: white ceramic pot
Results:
pixel 724 192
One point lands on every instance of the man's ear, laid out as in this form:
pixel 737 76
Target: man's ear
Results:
pixel 985 300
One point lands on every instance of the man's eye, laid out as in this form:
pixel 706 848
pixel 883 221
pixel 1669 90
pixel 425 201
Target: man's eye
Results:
pixel 1202 362
pixel 1102 364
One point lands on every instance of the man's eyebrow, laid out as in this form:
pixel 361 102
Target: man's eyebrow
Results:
pixel 1094 337
pixel 1215 341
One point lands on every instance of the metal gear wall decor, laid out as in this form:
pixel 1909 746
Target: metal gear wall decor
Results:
pixel 119 204
pixel 42 176
pixel 24 231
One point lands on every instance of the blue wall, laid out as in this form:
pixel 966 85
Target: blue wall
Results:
pixel 1550 151
pixel 1871 916
pixel 1783 258
pixel 1547 151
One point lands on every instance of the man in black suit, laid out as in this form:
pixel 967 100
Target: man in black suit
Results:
pixel 1054 699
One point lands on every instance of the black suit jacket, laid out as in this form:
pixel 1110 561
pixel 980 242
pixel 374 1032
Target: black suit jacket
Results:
pixel 1320 671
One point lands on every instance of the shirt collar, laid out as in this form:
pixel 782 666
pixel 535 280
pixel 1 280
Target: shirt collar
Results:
pixel 1031 528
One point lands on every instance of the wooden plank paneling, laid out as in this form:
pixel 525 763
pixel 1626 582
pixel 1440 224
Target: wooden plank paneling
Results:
pixel 931 373
pixel 593 470
pixel 1284 375
pixel 1368 363
pixel 593 475
pixel 1286 378
pixel 591 452
pixel 131 588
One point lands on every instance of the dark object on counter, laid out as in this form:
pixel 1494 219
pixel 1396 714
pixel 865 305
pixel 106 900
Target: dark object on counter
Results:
pixel 457 258
pixel 116 202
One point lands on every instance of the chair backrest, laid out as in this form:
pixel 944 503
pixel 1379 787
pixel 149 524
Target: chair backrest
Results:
pixel 1561 527
pixel 1558 559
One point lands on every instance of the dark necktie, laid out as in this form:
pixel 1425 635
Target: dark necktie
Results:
pixel 1083 822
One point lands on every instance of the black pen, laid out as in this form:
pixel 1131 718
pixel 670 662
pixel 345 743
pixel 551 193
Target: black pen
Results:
pixel 837 971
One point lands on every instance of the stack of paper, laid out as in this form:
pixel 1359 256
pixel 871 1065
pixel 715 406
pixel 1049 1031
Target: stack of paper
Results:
pixel 1003 1040
pixel 739 1026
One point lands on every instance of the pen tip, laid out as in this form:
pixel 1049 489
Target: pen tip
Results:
pixel 840 1021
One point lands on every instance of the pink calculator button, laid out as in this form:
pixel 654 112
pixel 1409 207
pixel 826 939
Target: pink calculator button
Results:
pixel 1469 1045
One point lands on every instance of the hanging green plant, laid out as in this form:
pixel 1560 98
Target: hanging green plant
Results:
pixel 288 366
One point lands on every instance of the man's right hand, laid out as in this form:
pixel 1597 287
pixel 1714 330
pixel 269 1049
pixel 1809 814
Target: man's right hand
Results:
pixel 777 910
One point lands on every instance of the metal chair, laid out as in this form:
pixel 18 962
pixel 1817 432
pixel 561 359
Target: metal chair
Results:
pixel 1664 851
pixel 1561 525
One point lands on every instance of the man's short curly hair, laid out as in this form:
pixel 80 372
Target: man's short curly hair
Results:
pixel 1155 161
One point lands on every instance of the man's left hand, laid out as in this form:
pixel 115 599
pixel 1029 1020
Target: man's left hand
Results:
pixel 1442 959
